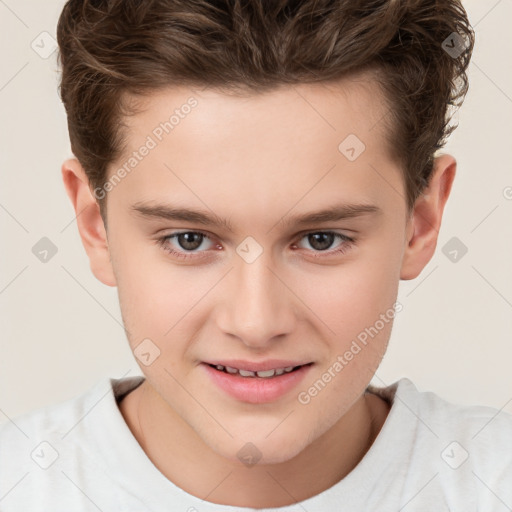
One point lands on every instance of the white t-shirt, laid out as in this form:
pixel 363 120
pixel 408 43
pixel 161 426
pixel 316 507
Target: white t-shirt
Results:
pixel 430 456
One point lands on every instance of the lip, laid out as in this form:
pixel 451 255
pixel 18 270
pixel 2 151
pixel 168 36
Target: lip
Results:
pixel 256 390
pixel 268 364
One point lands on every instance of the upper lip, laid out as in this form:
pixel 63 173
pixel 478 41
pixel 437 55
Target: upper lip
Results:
pixel 253 366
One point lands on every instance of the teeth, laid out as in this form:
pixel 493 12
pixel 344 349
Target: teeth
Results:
pixel 246 373
pixel 265 374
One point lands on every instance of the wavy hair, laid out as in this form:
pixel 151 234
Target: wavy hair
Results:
pixel 112 49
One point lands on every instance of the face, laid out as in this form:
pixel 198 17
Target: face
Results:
pixel 255 287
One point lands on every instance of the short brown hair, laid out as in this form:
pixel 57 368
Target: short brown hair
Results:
pixel 112 48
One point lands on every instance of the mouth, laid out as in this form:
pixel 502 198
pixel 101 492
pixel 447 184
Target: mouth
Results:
pixel 263 374
pixel 265 382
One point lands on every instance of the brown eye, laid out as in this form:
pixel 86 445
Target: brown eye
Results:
pixel 186 244
pixel 189 240
pixel 321 241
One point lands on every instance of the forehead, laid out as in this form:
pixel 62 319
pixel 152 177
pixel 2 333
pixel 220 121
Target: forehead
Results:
pixel 285 114
pixel 283 141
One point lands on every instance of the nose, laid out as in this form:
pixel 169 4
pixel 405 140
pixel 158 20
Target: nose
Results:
pixel 257 305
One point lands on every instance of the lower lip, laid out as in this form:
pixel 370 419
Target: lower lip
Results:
pixel 256 390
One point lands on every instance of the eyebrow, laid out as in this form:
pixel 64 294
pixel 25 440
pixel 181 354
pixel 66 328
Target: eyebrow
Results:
pixel 330 214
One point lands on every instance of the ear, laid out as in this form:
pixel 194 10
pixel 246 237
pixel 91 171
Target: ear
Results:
pixel 90 224
pixel 425 220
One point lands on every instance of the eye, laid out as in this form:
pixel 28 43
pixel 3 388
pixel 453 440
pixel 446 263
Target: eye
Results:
pixel 188 243
pixel 187 240
pixel 321 241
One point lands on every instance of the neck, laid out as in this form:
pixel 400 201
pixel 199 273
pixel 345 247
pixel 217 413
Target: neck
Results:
pixel 182 456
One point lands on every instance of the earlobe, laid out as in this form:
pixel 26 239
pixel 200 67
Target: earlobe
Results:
pixel 90 224
pixel 425 221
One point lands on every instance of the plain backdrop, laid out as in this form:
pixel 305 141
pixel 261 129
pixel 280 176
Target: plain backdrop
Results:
pixel 61 329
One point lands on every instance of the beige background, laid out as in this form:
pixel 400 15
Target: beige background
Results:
pixel 61 328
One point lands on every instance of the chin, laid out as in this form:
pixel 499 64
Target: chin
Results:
pixel 260 450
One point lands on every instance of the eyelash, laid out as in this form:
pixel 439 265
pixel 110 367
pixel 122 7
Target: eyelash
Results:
pixel 163 242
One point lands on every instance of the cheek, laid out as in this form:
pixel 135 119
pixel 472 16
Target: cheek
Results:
pixel 354 303
pixel 155 299
pixel 152 293
pixel 353 295
pixel 164 303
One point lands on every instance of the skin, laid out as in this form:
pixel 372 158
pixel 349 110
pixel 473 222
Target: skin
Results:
pixel 256 160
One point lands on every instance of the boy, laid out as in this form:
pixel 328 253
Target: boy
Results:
pixel 256 178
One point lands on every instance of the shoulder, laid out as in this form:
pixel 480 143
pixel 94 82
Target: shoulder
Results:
pixel 55 418
pixel 476 425
pixel 463 451
pixel 59 418
pixel 477 436
pixel 38 447
pixel 36 434
pixel 433 454
pixel 435 413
